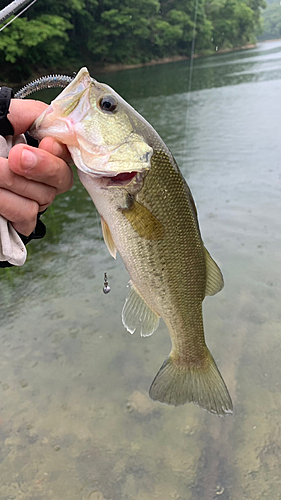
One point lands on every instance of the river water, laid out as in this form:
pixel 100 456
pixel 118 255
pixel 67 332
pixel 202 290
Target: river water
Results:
pixel 76 422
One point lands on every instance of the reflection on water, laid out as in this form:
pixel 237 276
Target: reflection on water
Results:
pixel 208 72
pixel 76 422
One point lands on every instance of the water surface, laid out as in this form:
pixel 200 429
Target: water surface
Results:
pixel 76 422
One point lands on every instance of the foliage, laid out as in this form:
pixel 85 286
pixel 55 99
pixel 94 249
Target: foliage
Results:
pixel 55 34
pixel 41 33
pixel 271 18
pixel 235 22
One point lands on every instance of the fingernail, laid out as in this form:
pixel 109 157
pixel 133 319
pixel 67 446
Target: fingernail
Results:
pixel 28 159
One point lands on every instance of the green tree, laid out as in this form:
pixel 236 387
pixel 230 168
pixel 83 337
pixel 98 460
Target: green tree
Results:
pixel 271 25
pixel 47 33
pixel 122 31
pixel 38 39
pixel 234 22
pixel 59 35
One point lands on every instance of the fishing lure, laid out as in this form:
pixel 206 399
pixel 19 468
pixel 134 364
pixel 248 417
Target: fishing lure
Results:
pixel 45 82
pixel 106 287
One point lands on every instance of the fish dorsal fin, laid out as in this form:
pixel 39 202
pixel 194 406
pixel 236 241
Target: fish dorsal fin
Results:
pixel 143 221
pixel 108 238
pixel 137 314
pixel 214 278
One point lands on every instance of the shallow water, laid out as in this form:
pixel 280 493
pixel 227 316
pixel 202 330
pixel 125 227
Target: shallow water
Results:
pixel 76 422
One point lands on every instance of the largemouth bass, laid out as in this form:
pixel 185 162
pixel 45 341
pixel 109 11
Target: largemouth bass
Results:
pixel 148 215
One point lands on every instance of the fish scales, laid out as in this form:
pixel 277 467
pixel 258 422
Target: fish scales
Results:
pixel 174 257
pixel 148 215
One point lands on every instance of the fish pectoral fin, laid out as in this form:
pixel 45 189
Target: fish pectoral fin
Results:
pixel 179 384
pixel 143 221
pixel 108 238
pixel 136 313
pixel 214 278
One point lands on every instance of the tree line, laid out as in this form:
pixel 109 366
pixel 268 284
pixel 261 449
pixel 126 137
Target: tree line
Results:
pixel 271 21
pixel 59 35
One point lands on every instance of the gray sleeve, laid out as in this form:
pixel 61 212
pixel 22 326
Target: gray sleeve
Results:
pixel 6 143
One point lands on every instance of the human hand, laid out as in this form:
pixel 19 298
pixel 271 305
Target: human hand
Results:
pixel 31 177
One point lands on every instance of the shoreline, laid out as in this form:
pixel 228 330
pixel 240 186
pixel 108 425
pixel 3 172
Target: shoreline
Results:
pixel 110 68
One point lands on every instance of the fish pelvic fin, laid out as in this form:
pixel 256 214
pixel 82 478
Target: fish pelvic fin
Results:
pixel 137 314
pixel 177 384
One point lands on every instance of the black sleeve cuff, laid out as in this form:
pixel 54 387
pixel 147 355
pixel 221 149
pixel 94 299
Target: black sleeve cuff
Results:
pixel 6 95
pixel 38 233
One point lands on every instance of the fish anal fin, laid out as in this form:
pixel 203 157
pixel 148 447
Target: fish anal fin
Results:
pixel 143 221
pixel 137 314
pixel 214 278
pixel 179 384
pixel 108 238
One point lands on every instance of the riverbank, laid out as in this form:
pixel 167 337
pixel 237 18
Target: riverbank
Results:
pixel 108 68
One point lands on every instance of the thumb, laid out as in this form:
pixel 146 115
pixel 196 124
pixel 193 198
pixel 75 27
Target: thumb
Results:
pixel 23 113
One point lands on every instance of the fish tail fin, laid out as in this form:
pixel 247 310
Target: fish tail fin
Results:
pixel 177 384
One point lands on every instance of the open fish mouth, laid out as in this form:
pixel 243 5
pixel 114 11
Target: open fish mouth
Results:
pixel 122 179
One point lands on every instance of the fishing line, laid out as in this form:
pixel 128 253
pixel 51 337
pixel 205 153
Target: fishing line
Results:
pixel 187 120
pixel 106 288
pixel 19 14
pixel 193 46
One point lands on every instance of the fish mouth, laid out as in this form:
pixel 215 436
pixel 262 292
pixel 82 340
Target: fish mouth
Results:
pixel 121 179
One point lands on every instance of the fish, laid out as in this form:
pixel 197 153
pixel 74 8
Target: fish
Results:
pixel 149 216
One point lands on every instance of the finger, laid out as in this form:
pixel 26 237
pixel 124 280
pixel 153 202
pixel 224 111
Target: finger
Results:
pixel 18 210
pixel 40 166
pixel 23 112
pixel 41 193
pixel 56 148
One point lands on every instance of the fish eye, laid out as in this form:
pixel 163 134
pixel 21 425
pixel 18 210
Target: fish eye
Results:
pixel 108 103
